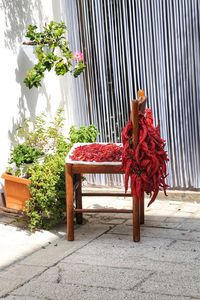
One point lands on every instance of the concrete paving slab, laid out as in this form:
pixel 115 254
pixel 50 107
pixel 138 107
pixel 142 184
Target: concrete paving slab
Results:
pixel 76 292
pixel 101 249
pixel 189 246
pixel 44 290
pixel 132 262
pixel 94 276
pixel 17 243
pixel 26 243
pixel 172 283
pixel 172 219
pixel 158 232
pixel 154 217
pixel 104 263
pixel 21 297
pixel 150 253
pixel 167 233
pixel 164 224
pixel 17 275
pixel 60 249
pixel 124 241
pixel 156 223
pixel 190 226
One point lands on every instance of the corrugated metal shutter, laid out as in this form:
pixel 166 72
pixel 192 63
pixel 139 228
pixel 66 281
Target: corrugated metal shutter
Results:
pixel 149 44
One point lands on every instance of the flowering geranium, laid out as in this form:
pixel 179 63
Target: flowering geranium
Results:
pixel 52 52
pixel 77 55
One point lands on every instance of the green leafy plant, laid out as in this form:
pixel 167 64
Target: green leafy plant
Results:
pixel 52 51
pixel 24 153
pixel 42 134
pixel 46 206
pixel 83 134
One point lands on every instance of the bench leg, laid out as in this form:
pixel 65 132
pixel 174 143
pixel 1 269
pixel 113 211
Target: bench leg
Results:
pixel 79 215
pixel 136 219
pixel 69 202
pixel 142 209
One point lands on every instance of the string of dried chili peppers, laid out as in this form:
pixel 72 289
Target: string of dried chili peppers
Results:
pixel 98 153
pixel 146 164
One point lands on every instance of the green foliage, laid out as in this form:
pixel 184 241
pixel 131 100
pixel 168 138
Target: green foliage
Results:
pixel 46 138
pixel 24 153
pixel 52 51
pixel 79 68
pixel 47 203
pixel 83 134
pixel 46 206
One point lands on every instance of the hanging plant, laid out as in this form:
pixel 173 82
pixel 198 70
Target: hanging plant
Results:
pixel 52 51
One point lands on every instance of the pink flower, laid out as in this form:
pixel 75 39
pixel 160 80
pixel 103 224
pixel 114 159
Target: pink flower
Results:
pixel 78 55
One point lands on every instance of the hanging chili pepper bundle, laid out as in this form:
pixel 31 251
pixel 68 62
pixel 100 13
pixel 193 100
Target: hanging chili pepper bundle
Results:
pixel 146 164
pixel 98 153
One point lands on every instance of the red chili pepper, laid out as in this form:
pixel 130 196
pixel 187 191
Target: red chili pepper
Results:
pixel 98 153
pixel 146 164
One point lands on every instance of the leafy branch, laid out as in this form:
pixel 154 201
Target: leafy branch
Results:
pixel 52 51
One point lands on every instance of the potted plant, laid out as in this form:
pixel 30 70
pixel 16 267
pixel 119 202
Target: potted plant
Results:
pixel 16 182
pixel 44 148
pixel 16 191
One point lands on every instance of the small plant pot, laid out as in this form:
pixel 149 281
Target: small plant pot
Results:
pixel 16 191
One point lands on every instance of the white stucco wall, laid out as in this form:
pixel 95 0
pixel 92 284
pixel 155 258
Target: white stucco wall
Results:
pixel 16 100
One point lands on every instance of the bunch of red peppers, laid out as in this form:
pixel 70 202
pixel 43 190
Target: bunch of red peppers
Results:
pixel 97 152
pixel 145 164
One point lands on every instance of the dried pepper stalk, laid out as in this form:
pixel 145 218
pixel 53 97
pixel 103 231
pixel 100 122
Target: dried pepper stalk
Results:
pixel 98 153
pixel 146 164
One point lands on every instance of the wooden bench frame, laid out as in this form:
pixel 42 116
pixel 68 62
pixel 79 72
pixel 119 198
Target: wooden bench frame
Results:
pixel 73 174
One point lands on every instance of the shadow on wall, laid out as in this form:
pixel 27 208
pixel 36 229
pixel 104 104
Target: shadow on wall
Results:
pixel 19 13
pixel 28 98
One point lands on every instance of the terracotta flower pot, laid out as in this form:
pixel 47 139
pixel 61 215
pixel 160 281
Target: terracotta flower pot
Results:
pixel 16 191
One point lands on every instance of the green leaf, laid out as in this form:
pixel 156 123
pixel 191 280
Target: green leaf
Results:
pixel 79 68
pixel 34 77
pixel 61 68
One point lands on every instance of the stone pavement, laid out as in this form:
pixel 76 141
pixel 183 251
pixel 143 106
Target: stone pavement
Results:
pixel 103 262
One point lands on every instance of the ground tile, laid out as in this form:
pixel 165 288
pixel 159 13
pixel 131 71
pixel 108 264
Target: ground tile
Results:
pixel 15 276
pixel 126 241
pixel 169 233
pixel 149 252
pixel 96 276
pixel 191 226
pixel 42 290
pixel 36 290
pixel 21 297
pixel 172 283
